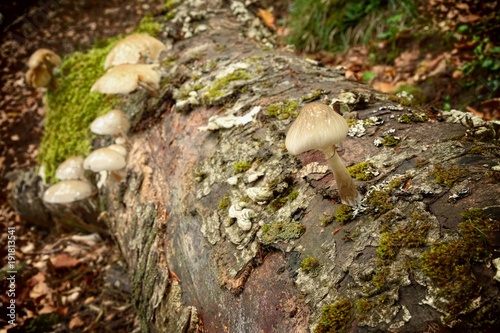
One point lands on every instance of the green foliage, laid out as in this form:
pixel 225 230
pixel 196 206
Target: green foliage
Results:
pixel 72 107
pixel 149 26
pixel 335 317
pixel 336 24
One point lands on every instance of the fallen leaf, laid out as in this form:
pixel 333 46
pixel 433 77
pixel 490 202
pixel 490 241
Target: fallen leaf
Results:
pixel 63 261
pixel 267 18
pixel 383 86
pixel 75 322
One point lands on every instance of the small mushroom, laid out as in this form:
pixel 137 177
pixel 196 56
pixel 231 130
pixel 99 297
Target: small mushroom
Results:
pixel 320 127
pixel 112 123
pixel 124 79
pixel 120 149
pixel 104 159
pixel 72 168
pixel 68 191
pixel 41 63
pixel 135 49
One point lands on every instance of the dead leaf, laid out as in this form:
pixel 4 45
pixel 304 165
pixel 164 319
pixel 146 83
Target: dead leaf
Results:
pixel 63 261
pixel 267 18
pixel 383 86
pixel 75 322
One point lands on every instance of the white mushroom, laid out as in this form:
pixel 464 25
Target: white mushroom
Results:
pixel 320 127
pixel 135 49
pixel 104 159
pixel 68 191
pixel 112 123
pixel 124 79
pixel 120 149
pixel 72 168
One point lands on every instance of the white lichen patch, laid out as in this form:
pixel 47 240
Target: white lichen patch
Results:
pixel 225 122
pixel 259 194
pixel 210 228
pixel 242 215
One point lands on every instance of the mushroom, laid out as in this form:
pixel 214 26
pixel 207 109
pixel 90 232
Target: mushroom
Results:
pixel 68 191
pixel 320 127
pixel 124 79
pixel 134 49
pixel 112 123
pixel 104 159
pixel 120 149
pixel 41 63
pixel 72 168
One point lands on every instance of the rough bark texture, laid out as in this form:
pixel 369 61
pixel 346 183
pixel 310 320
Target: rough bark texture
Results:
pixel 178 214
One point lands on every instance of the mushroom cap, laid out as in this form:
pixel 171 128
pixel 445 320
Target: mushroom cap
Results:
pixel 45 57
pixel 124 79
pixel 72 168
pixel 38 77
pixel 317 127
pixel 134 49
pixel 112 123
pixel 104 159
pixel 120 149
pixel 68 191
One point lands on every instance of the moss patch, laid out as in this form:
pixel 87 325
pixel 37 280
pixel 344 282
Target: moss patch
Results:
pixel 380 200
pixel 413 117
pixel 281 231
pixel 241 166
pixel 362 171
pixel 283 110
pixel 309 264
pixel 343 214
pixel 449 264
pixel 72 107
pixel 447 176
pixel 149 26
pixel 335 317
pixel 216 90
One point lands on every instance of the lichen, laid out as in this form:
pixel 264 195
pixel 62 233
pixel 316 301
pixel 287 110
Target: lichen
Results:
pixel 449 264
pixel 224 203
pixel 362 171
pixel 283 110
pixel 335 317
pixel 281 231
pixel 413 117
pixel 390 141
pixel 408 95
pixel 380 199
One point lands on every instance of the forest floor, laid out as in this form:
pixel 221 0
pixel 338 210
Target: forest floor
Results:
pixel 76 282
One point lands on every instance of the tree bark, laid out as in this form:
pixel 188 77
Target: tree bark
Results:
pixel 192 265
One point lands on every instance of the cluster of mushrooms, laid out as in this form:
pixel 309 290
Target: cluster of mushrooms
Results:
pixel 130 64
pixel 74 185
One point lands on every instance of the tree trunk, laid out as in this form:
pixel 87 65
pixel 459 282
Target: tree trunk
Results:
pixel 195 183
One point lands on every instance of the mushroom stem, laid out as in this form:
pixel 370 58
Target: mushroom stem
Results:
pixel 348 193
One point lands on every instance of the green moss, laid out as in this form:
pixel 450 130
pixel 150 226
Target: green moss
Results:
pixel 390 141
pixel 308 264
pixel 281 231
pixel 327 220
pixel 277 203
pixel 413 117
pixel 363 305
pixel 380 200
pixel 149 26
pixel 72 107
pixel 362 171
pixel 343 214
pixel 293 195
pixel 312 95
pixel 216 90
pixel 335 317
pixel 410 236
pixel 283 110
pixel 417 96
pixel 225 202
pixel 379 279
pixel 241 166
pixel 449 264
pixel 447 176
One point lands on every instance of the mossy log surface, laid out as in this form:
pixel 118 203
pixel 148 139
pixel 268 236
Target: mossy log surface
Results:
pixel 193 266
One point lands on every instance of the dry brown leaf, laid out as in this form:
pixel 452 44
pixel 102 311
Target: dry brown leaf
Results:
pixel 75 322
pixel 383 86
pixel 267 18
pixel 63 261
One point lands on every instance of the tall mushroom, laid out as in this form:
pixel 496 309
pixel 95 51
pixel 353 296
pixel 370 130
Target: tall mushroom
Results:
pixel 320 127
